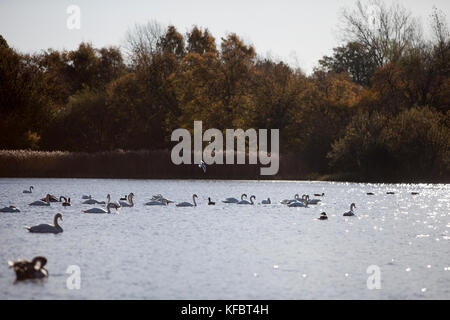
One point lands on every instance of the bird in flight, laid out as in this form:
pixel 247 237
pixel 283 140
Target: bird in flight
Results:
pixel 203 166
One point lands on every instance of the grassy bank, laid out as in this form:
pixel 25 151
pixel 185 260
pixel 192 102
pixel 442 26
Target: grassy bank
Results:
pixel 158 165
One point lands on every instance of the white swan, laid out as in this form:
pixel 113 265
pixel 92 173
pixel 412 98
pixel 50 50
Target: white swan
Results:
pixel 188 204
pixel 93 201
pixel 46 228
pixel 160 197
pixel 350 213
pixel 299 203
pixel 162 202
pixel 246 202
pixel 287 201
pixel 28 191
pixel 313 201
pixel 9 209
pixel 234 200
pixel 45 202
pixel 130 201
pixel 101 210
pixel 266 201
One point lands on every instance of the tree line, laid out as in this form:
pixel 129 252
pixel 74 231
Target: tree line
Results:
pixel 377 108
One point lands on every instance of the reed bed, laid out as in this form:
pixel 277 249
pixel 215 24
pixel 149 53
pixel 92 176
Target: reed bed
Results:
pixel 142 164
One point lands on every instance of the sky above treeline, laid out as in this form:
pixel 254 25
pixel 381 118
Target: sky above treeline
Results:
pixel 297 32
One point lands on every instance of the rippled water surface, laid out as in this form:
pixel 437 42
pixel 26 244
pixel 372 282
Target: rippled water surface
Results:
pixel 230 251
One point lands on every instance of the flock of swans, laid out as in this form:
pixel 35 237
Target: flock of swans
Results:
pixel 35 269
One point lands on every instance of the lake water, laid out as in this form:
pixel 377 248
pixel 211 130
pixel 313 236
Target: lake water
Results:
pixel 230 251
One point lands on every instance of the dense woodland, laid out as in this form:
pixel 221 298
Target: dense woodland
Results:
pixel 376 109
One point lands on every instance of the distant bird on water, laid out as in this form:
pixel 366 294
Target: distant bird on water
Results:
pixel 29 191
pixel 29 270
pixel 9 209
pixel 350 213
pixel 47 228
pixel 319 195
pixel 323 216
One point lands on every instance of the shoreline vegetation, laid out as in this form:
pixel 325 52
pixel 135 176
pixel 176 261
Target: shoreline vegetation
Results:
pixel 156 164
pixel 376 109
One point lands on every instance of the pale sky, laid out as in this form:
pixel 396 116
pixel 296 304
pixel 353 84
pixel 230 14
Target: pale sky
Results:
pixel 297 32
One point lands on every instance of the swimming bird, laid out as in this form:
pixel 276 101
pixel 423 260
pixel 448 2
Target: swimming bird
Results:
pixel 287 201
pixel 66 203
pixel 323 216
pixel 51 198
pixel 47 228
pixel 303 203
pixel 28 191
pixel 414 193
pixel 319 195
pixel 211 203
pixel 187 204
pixel 101 210
pixel 390 192
pixel 350 213
pixel 160 197
pixel 370 193
pixel 313 201
pixel 9 209
pixel 266 201
pixel 93 201
pixel 130 201
pixel 234 200
pixel 246 202
pixel 124 198
pixel 45 202
pixel 162 202
pixel 29 270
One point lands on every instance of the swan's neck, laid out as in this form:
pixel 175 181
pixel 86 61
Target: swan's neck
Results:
pixel 108 206
pixel 251 200
pixel 193 199
pixel 130 200
pixel 55 222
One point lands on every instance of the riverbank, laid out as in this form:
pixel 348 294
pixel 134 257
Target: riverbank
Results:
pixel 156 164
